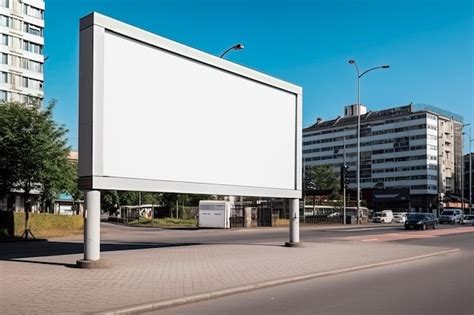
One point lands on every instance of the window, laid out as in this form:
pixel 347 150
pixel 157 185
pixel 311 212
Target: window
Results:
pixel 4 20
pixel 32 29
pixel 32 47
pixel 32 11
pixel 3 96
pixel 4 39
pixel 4 3
pixel 4 77
pixel 4 59
pixel 35 66
pixel 35 84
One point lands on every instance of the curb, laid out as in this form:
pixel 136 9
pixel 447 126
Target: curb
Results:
pixel 266 284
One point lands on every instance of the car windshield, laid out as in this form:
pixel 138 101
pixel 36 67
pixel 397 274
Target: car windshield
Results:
pixel 447 213
pixel 377 214
pixel 416 216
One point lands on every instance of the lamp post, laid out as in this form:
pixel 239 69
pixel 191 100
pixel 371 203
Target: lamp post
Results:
pixel 359 75
pixel 470 172
pixel 235 47
pixel 238 46
pixel 462 169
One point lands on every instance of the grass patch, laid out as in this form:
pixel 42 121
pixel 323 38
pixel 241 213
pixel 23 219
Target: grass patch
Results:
pixel 165 222
pixel 42 225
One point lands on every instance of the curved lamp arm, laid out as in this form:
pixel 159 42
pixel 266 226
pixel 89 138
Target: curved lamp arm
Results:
pixel 235 47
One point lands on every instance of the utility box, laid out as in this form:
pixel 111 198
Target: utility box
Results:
pixel 215 214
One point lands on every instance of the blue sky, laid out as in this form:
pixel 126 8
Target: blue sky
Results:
pixel 428 44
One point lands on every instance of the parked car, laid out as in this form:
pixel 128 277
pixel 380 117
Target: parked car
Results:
pixel 421 221
pixel 400 217
pixel 451 216
pixel 384 216
pixel 468 219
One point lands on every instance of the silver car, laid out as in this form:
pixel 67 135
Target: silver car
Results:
pixel 451 216
pixel 468 219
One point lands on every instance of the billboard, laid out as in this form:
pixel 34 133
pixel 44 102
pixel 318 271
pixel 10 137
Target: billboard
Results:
pixel 156 115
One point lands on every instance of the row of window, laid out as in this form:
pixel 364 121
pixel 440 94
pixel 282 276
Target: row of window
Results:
pixel 424 187
pixel 397 120
pixel 26 9
pixel 19 25
pixel 6 96
pixel 7 77
pixel 15 42
pixel 405 169
pixel 21 62
pixel 374 133
pixel 363 144
pixel 395 179
pixel 377 161
pixel 412 117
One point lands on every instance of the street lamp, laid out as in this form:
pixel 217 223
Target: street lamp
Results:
pixel 235 47
pixel 470 172
pixel 238 46
pixel 359 75
pixel 462 169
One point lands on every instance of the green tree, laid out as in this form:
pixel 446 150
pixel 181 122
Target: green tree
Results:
pixel 34 153
pixel 109 200
pixel 128 198
pixel 321 177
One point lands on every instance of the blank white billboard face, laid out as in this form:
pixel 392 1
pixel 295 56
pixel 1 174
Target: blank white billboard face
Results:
pixel 169 118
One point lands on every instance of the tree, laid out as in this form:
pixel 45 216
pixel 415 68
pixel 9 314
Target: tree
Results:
pixel 109 200
pixel 321 177
pixel 34 153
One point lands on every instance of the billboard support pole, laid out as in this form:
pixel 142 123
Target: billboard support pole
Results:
pixel 294 224
pixel 92 232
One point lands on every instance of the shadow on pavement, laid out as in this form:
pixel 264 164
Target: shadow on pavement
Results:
pixel 17 250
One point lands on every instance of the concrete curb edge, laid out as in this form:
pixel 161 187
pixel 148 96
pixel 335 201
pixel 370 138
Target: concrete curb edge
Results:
pixel 265 284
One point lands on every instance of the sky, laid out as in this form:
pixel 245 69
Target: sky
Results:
pixel 427 43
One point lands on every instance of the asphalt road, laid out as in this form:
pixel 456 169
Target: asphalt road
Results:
pixel 129 235
pixel 436 285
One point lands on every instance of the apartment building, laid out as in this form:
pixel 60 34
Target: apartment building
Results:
pixel 410 155
pixel 21 51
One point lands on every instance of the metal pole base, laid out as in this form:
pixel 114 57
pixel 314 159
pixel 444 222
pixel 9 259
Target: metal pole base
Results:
pixel 293 244
pixel 92 264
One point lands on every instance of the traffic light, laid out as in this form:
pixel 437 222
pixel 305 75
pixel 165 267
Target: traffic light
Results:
pixel 344 177
pixel 308 183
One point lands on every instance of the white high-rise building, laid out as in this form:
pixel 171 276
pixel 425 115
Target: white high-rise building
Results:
pixel 21 51
pixel 410 155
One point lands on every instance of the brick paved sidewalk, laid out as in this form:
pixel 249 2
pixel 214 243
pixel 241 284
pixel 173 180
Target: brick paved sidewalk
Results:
pixel 49 284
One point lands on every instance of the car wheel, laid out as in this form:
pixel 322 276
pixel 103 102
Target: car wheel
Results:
pixel 423 227
pixel 434 226
pixel 407 228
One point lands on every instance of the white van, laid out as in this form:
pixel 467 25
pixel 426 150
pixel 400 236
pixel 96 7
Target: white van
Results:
pixel 384 216
pixel 215 213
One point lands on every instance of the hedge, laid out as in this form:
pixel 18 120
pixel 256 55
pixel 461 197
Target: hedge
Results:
pixel 40 224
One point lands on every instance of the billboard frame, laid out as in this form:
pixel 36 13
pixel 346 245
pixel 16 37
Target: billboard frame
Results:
pixel 91 98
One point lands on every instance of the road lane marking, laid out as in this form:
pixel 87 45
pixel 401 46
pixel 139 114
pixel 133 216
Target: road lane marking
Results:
pixel 370 229
pixel 405 235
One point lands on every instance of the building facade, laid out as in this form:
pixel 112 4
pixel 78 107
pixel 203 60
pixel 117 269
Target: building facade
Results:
pixel 21 51
pixel 409 147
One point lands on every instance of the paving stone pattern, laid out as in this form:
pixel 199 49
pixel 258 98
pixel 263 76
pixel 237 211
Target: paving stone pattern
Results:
pixel 49 284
